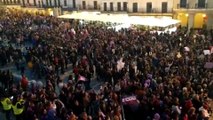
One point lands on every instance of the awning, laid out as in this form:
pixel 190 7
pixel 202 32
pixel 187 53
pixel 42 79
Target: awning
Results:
pixel 122 18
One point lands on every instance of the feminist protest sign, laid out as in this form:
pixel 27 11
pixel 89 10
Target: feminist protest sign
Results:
pixel 130 100
pixel 81 78
pixel 206 52
pixel 208 65
pixel 120 64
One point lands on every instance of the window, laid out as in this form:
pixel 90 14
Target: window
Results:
pixel 183 3
pixel 95 5
pixel 201 4
pixel 84 4
pixel 34 1
pixel 50 2
pixel 65 2
pixel 105 6
pixel 119 6
pixel 47 2
pixel 111 6
pixel 55 3
pixel 42 3
pixel 59 3
pixel 148 7
pixel 164 7
pixel 124 6
pixel 74 4
pixel 135 7
pixel 39 3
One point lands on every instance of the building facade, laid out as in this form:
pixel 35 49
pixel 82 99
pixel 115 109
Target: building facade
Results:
pixel 191 13
pixel 194 13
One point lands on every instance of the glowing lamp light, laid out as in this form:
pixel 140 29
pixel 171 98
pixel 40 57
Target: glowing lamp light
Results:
pixel 204 15
pixel 186 15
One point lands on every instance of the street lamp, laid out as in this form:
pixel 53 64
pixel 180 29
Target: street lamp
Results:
pixel 204 20
pixel 187 17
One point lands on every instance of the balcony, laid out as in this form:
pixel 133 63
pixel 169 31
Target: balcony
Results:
pixel 197 6
pixel 89 7
pixel 16 2
pixel 183 6
pixel 153 11
pixel 48 6
pixel 68 8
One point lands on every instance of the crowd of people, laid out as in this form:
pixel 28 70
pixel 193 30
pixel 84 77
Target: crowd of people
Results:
pixel 146 75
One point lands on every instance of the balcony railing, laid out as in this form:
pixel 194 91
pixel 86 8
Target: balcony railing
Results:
pixel 186 6
pixel 89 7
pixel 201 7
pixel 10 3
pixel 48 6
pixel 153 11
pixel 196 6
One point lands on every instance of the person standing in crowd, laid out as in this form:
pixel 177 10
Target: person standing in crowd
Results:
pixel 6 105
pixel 18 107
pixel 142 73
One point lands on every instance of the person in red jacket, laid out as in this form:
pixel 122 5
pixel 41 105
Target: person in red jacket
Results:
pixel 24 82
